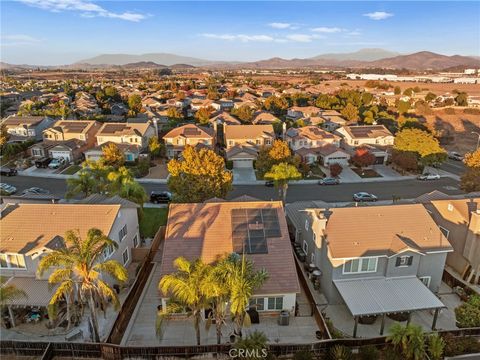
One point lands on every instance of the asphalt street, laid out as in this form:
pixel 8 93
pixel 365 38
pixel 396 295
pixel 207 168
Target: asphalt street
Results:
pixel 454 167
pixel 405 189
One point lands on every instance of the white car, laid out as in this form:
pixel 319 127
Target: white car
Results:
pixel 56 163
pixel 428 176
pixel 7 189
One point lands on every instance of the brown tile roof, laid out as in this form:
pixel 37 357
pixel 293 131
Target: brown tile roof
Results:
pixel 367 131
pixel 26 227
pixel 381 230
pixel 457 210
pixel 248 131
pixel 311 132
pixel 191 131
pixel 264 117
pixel 224 117
pixel 205 231
pixel 118 129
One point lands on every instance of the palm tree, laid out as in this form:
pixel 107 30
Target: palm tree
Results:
pixel 399 337
pixel 436 345
pixel 186 287
pixel 9 292
pixel 242 281
pixel 281 174
pixel 409 339
pixel 77 270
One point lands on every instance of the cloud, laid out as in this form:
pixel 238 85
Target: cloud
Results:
pixel 18 40
pixel 303 37
pixel 327 30
pixel 378 15
pixel 240 37
pixel 279 25
pixel 88 9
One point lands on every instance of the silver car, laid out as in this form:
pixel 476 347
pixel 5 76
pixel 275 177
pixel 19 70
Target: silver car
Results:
pixel 7 189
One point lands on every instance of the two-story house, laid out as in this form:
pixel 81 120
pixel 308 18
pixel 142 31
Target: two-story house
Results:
pixel 24 128
pixel 244 141
pixel 375 137
pixel 31 230
pixel 368 256
pixel 459 221
pixel 67 139
pixel 332 120
pixel 190 134
pixel 302 112
pixel 313 144
pixel 131 138
pixel 264 118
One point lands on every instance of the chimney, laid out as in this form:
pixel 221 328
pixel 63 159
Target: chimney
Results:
pixel 284 130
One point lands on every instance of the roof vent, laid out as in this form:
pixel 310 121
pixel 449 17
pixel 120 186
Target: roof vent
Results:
pixel 356 243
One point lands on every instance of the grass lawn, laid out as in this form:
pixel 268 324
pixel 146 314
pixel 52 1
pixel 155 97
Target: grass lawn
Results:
pixel 152 219
pixel 315 173
pixel 71 170
pixel 367 173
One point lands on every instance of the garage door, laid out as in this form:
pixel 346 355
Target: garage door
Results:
pixel 61 154
pixel 337 160
pixel 379 160
pixel 243 163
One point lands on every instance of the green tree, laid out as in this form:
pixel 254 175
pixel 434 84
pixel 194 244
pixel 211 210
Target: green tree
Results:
pixel 135 103
pixel 422 143
pixel 430 97
pixel 275 104
pixel 254 344
pixel 409 339
pixel 4 135
pixel 154 146
pixel 77 269
pixel 403 106
pixel 462 99
pixel 397 90
pixel 435 347
pixel 281 174
pixel 468 313
pixel 112 155
pixel 198 176
pixel 244 113
pixel 408 92
pixel 350 112
pixel 186 287
pixel 174 114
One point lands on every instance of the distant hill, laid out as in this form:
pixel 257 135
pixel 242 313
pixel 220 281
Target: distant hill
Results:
pixel 360 55
pixel 143 65
pixel 157 58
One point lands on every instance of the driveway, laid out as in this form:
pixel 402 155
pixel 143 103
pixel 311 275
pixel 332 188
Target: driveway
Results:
pixel 243 175
pixel 387 172
pixel 348 175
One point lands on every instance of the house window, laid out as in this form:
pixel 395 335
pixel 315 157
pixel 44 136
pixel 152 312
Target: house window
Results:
pixel 444 231
pixel 257 303
pixel 258 142
pixel 230 143
pixel 355 142
pixel 36 152
pixel 275 303
pixel 312 258
pixel 12 261
pixel 404 261
pixel 135 241
pixel 314 238
pixel 306 225
pixel 305 247
pixel 108 251
pixel 268 142
pixel 122 233
pixel 425 280
pixel 360 265
pixel 450 207
pixel 125 256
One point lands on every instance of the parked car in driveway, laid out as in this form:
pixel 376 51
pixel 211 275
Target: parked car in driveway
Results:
pixel 56 163
pixel 455 156
pixel 42 163
pixel 5 171
pixel 428 176
pixel 35 191
pixel 7 189
pixel 364 196
pixel 160 197
pixel 329 181
pixel 269 183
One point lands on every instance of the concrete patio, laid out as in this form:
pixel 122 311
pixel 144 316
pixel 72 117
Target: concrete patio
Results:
pixel 343 320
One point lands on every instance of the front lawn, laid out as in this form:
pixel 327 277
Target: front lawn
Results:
pixel 73 169
pixel 315 173
pixel 366 173
pixel 151 221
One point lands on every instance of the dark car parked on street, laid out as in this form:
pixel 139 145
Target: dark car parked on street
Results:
pixel 269 183
pixel 5 171
pixel 160 197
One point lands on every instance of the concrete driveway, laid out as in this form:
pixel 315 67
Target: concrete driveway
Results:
pixel 348 175
pixel 243 175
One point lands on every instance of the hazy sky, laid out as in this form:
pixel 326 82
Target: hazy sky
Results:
pixel 64 31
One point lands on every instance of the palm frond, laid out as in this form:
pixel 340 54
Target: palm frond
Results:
pixel 112 268
pixel 107 292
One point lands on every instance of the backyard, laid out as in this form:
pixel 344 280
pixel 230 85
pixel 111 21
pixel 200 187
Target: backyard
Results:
pixel 151 220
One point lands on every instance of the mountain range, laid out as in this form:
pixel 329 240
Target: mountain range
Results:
pixel 364 58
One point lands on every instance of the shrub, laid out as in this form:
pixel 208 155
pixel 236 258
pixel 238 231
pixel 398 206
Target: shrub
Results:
pixel 460 345
pixel 471 111
pixel 339 352
pixel 436 346
pixel 303 355
pixel 368 352
pixel 335 169
pixel 468 314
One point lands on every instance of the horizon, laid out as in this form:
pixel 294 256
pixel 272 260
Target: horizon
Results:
pixel 62 32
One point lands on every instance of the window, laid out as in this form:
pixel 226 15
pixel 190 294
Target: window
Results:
pixel 450 207
pixel 108 251
pixel 231 142
pixel 360 265
pixel 275 303
pixel 257 303
pixel 312 258
pixel 307 225
pixel 122 233
pixel 258 141
pixel 305 247
pixel 404 261
pixel 314 238
pixel 425 280
pixel 125 256
pixel 444 231
pixel 12 261
pixel 268 142
pixel 135 241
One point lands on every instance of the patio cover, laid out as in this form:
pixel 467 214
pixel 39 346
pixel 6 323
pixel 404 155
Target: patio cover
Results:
pixel 386 295
pixel 38 292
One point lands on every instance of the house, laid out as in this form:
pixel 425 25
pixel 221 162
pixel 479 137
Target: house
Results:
pixel 24 128
pixel 332 120
pixel 313 144
pixel 30 230
pixel 190 134
pixel 224 118
pixel 301 112
pixel 375 137
pixel 130 133
pixel 67 139
pixel 130 152
pixel 244 141
pixel 198 104
pixel 225 104
pixel 459 221
pixel 375 259
pixel 264 118
pixel 257 229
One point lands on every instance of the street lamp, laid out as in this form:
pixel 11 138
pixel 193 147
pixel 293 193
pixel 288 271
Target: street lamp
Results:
pixel 478 140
